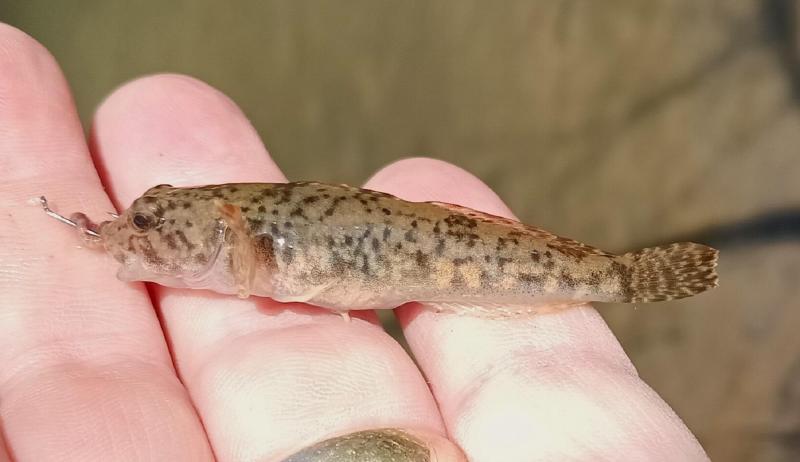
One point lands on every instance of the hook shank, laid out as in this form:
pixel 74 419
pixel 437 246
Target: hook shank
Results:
pixel 65 220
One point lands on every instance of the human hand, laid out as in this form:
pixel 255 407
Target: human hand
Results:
pixel 92 368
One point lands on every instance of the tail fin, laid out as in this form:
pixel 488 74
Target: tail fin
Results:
pixel 672 271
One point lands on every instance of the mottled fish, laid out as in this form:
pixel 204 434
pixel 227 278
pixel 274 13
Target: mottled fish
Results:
pixel 347 248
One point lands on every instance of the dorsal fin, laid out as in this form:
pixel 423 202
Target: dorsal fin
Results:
pixel 562 244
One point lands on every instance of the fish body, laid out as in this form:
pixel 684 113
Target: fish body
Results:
pixel 347 248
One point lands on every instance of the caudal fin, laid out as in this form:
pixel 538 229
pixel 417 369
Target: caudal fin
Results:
pixel 672 271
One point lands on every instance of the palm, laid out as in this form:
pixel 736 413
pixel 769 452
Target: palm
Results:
pixel 95 369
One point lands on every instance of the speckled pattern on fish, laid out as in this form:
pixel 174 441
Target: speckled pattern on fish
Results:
pixel 347 248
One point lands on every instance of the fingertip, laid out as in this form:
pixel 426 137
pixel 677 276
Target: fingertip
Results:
pixel 564 368
pixel 172 128
pixel 30 79
pixel 38 120
pixel 15 44
pixel 170 88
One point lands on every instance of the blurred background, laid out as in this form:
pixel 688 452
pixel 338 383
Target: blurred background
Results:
pixel 620 123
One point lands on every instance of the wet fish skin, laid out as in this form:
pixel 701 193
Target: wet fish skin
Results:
pixel 345 248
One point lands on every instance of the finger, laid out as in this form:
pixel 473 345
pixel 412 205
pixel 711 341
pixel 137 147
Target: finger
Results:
pixel 4 457
pixel 266 380
pixel 84 370
pixel 548 387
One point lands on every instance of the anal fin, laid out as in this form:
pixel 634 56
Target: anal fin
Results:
pixel 497 310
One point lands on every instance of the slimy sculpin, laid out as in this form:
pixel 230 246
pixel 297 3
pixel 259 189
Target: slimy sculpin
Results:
pixel 345 248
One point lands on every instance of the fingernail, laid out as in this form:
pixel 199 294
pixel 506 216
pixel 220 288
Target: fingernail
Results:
pixel 384 445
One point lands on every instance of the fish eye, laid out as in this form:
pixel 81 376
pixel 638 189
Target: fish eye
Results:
pixel 142 222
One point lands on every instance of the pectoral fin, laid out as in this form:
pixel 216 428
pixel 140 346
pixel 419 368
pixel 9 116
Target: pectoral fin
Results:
pixel 242 254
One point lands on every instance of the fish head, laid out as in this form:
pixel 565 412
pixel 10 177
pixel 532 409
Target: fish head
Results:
pixel 166 236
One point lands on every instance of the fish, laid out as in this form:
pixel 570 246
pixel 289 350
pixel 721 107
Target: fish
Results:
pixel 346 248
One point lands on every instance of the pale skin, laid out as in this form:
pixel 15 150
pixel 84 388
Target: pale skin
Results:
pixel 92 368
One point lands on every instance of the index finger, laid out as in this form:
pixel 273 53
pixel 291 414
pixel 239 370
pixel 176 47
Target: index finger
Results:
pixel 266 380
pixel 83 362
pixel 550 387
